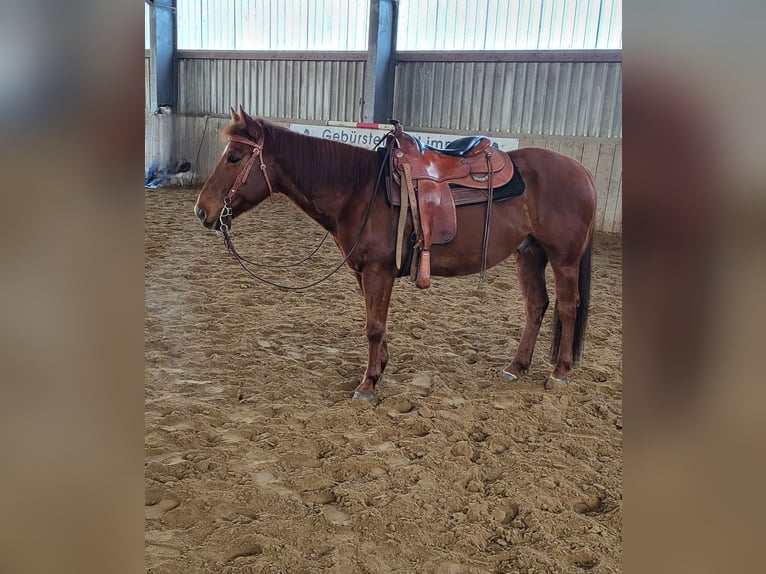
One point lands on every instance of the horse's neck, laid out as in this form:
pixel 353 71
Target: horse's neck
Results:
pixel 323 201
pixel 311 203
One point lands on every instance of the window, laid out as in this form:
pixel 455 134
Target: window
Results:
pixel 326 25
pixel 147 33
pixel 509 25
pixel 323 25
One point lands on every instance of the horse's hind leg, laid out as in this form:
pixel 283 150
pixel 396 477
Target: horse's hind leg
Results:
pixel 530 267
pixel 567 300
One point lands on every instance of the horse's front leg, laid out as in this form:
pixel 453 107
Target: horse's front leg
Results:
pixel 376 286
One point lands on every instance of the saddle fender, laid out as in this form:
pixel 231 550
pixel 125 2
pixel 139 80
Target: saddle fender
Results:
pixel 437 211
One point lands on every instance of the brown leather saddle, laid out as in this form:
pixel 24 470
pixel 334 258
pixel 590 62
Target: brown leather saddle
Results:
pixel 432 182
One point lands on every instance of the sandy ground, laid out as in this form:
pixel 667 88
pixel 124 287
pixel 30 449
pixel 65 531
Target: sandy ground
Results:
pixel 258 461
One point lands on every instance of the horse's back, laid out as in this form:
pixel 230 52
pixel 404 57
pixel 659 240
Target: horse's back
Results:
pixel 546 166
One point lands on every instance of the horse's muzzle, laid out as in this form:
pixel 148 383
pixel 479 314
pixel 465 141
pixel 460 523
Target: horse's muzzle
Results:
pixel 202 215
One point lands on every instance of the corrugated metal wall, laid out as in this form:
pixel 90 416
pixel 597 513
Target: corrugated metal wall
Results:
pixel 325 88
pixel 574 107
pixel 547 98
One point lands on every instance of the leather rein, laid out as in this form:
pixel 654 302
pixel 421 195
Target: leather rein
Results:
pixel 225 218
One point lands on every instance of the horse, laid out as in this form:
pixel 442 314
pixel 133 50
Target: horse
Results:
pixel 336 185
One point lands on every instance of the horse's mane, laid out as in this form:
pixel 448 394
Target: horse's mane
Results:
pixel 313 161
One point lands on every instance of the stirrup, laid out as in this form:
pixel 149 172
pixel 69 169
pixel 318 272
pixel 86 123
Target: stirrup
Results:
pixel 424 270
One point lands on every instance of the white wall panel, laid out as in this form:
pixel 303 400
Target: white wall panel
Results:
pixel 509 25
pixel 273 24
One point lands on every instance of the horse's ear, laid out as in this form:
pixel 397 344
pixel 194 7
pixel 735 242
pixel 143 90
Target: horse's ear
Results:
pixel 234 115
pixel 254 125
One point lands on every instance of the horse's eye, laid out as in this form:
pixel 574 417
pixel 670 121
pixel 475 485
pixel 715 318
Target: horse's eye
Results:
pixel 232 160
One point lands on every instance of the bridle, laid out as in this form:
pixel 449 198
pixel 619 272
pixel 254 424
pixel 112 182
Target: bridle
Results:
pixel 225 217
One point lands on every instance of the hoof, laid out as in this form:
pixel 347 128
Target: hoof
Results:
pixel 554 383
pixel 367 397
pixel 509 377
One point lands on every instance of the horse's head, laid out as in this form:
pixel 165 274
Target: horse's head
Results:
pixel 238 182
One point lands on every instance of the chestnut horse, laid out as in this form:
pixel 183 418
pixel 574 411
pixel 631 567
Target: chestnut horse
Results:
pixel 334 184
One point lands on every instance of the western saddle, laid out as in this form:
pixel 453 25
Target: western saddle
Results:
pixel 432 182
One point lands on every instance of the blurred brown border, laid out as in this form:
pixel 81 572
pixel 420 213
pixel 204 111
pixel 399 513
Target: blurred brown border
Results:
pixel 693 276
pixel 72 400
pixel 71 390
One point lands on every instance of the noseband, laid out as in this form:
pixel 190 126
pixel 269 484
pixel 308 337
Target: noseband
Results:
pixel 242 177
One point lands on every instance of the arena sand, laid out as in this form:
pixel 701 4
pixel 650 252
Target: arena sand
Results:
pixel 258 461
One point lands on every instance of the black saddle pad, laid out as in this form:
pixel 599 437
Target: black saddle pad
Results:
pixel 513 188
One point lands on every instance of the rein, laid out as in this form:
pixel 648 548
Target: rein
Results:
pixel 241 179
pixel 225 219
pixel 287 265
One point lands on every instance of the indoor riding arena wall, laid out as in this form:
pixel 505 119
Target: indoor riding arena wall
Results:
pixel 573 105
pixel 257 459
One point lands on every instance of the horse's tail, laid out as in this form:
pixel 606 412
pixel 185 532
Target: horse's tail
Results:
pixel 583 286
pixel 581 318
